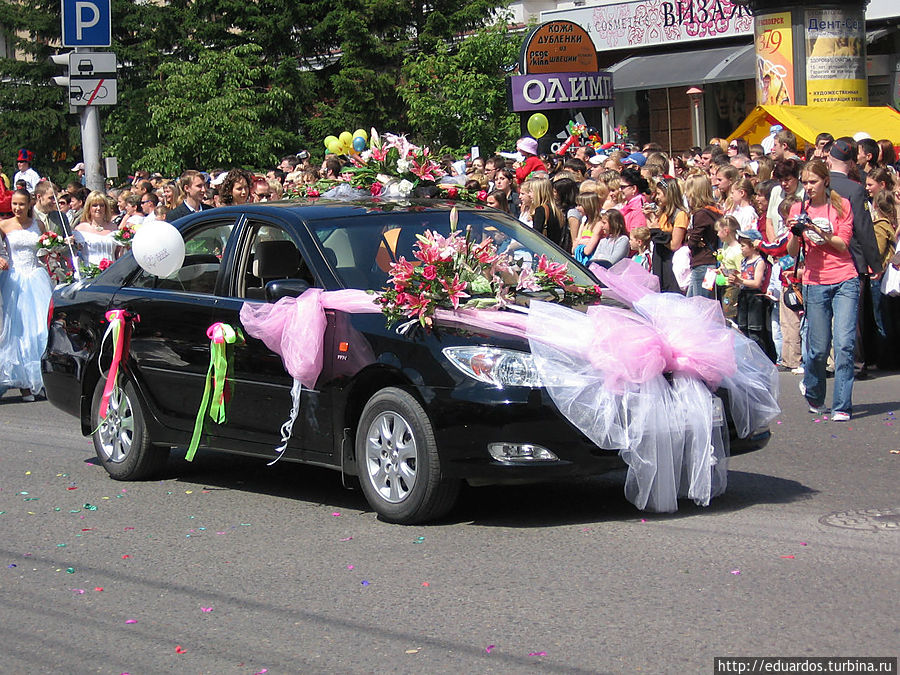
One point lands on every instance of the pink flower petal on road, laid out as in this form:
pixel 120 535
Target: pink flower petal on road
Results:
pixel 489 648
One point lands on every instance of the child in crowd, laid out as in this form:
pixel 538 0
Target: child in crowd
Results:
pixel 588 203
pixel 753 305
pixel 639 241
pixel 729 256
pixel 609 243
pixel 742 207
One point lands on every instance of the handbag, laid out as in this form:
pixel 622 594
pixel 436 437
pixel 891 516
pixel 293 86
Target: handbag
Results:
pixel 681 267
pixel 793 297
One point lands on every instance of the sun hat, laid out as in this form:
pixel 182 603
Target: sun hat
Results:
pixel 597 159
pixel 752 235
pixel 527 145
pixel 78 167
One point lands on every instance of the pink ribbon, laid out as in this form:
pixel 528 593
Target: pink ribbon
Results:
pixel 118 327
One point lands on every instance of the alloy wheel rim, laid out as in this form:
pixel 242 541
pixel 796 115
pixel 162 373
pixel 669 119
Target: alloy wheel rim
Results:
pixel 116 432
pixel 391 457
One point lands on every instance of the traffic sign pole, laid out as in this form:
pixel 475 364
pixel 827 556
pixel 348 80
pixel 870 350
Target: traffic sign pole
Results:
pixel 90 145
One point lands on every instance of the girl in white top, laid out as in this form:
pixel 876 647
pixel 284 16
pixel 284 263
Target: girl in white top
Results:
pixel 741 205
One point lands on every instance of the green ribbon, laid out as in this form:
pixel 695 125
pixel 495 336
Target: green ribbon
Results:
pixel 221 362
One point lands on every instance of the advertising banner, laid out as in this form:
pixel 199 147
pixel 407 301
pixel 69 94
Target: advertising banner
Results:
pixel 774 59
pixel 836 57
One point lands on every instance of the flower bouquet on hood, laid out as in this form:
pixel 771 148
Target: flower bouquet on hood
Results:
pixel 455 272
pixel 393 167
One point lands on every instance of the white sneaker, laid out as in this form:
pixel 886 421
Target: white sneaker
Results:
pixel 798 370
pixel 840 417
pixel 821 409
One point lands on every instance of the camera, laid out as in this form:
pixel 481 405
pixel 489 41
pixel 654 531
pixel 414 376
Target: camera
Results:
pixel 803 221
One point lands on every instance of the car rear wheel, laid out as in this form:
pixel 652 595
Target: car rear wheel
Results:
pixel 399 465
pixel 121 440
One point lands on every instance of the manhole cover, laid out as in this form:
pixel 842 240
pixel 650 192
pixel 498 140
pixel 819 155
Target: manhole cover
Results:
pixel 865 519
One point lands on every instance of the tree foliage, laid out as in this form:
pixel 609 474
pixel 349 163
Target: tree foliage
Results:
pixel 456 96
pixel 221 82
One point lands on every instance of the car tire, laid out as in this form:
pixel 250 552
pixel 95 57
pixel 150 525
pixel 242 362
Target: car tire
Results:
pixel 121 441
pixel 399 465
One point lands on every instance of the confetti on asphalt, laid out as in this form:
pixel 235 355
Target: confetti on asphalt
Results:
pixel 489 648
pixel 346 539
pixel 131 621
pixel 261 672
pixel 419 540
pixel 426 584
pixel 736 572
pixel 206 609
pixel 349 567
pixel 336 514
pixel 364 582
pixel 413 651
pixel 803 543
pixel 778 422
pixel 89 507
pixel 789 557
pixel 78 591
pixel 99 589
pixel 125 557
pixel 180 650
pixel 70 570
pixel 537 653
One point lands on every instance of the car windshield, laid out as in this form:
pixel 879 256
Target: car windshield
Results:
pixel 361 249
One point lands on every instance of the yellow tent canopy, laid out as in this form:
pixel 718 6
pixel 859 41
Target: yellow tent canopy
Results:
pixel 808 121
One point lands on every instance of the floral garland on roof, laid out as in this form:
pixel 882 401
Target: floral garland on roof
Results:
pixel 391 166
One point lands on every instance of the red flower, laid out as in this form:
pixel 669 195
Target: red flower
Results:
pixel 312 193
pixel 376 188
pixel 481 196
pixel 103 264
pixel 453 193
pixel 429 272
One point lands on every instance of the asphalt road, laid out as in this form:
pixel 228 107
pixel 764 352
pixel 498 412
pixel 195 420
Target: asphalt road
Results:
pixel 229 566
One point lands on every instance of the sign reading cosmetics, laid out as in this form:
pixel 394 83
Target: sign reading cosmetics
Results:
pixel 652 22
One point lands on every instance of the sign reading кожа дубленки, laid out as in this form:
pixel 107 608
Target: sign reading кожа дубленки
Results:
pixel 558 66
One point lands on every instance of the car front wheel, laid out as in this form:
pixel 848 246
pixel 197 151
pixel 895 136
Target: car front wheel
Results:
pixel 120 439
pixel 399 465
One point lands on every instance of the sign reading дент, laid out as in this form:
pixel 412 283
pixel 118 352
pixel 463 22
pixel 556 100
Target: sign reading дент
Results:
pixel 557 47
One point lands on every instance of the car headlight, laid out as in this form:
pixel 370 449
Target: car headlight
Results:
pixel 495 366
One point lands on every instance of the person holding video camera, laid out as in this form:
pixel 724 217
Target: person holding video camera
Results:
pixel 823 225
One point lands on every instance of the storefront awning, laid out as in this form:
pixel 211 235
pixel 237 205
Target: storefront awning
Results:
pixel 683 69
pixel 808 121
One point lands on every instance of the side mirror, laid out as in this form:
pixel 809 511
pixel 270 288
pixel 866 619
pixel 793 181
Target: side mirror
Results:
pixel 285 288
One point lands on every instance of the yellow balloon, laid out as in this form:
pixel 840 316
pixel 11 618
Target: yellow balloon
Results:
pixel 362 134
pixel 335 148
pixel 329 140
pixel 538 125
pixel 346 139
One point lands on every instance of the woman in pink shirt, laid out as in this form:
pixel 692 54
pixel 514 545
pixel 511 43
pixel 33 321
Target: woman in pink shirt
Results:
pixel 634 188
pixel 823 225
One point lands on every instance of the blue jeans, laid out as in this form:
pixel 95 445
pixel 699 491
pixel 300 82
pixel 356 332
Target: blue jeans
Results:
pixel 695 285
pixel 824 304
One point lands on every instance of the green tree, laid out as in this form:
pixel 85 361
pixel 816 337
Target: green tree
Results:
pixel 215 111
pixel 33 113
pixel 456 95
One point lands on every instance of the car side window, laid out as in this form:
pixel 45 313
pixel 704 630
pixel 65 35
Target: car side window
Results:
pixel 269 255
pixel 203 249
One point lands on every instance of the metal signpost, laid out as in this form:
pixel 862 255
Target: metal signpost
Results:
pixel 91 79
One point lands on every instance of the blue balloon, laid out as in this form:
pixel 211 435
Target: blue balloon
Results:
pixel 359 143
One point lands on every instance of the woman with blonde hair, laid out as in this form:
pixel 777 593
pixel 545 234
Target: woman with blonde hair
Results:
pixel 702 240
pixel 668 221
pixel 546 216
pixel 94 236
pixel 171 196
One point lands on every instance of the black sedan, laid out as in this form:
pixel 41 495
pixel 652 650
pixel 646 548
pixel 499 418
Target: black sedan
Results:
pixel 410 415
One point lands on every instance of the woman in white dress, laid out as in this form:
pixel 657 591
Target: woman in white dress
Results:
pixel 25 289
pixel 94 236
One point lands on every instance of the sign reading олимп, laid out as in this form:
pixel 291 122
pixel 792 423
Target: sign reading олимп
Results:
pixel 546 91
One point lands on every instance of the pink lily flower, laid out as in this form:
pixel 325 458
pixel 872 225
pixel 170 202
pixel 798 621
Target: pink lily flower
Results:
pixel 455 290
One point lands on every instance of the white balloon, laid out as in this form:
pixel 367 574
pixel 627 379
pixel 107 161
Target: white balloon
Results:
pixel 158 248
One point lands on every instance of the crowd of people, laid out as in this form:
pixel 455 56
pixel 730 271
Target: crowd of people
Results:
pixel 793 242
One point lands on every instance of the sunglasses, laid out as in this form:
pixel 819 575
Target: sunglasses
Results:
pixel 146 201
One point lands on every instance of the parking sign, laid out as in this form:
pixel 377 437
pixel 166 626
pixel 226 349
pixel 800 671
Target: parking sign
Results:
pixel 86 23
